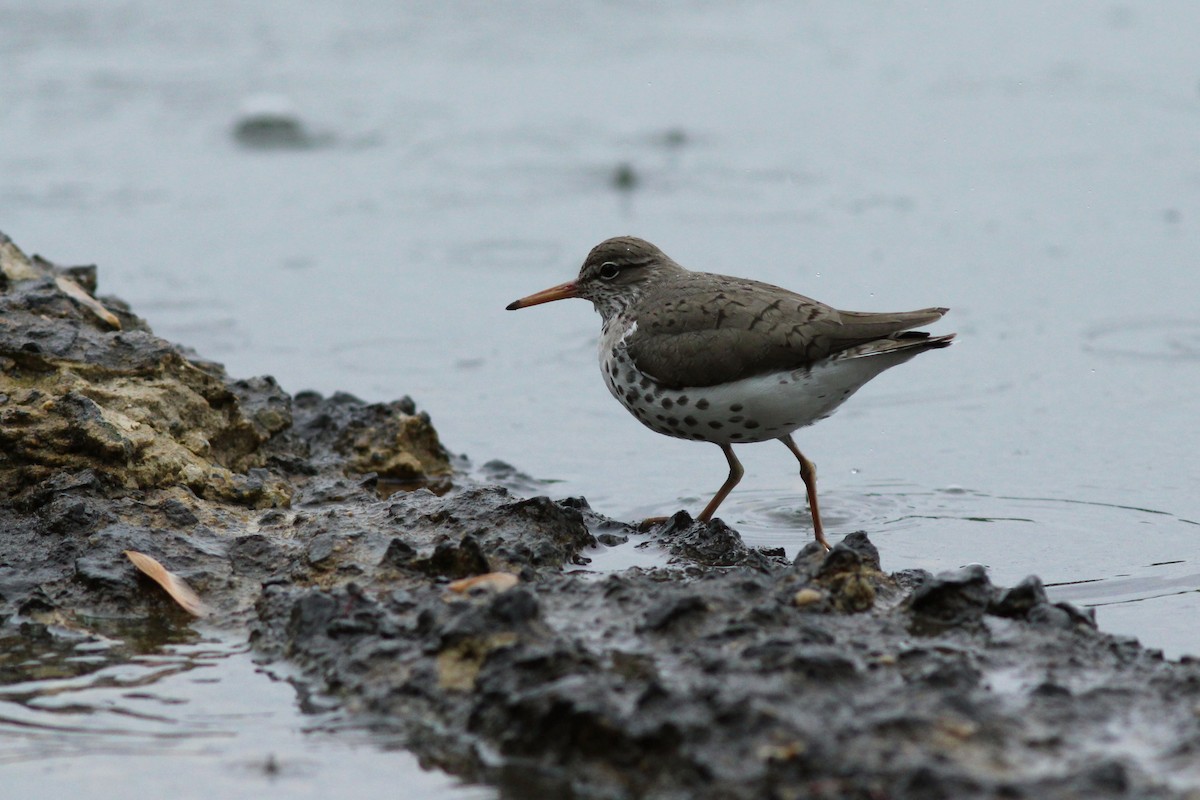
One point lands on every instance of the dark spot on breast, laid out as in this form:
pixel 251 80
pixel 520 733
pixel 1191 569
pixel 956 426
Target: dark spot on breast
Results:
pixel 649 398
pixel 673 422
pixel 660 418
pixel 645 383
pixel 716 426
pixel 736 407
pixel 630 377
pixel 699 437
pixel 701 404
pixel 667 402
pixel 683 400
pixel 735 436
pixel 690 421
pixel 751 425
pixel 736 418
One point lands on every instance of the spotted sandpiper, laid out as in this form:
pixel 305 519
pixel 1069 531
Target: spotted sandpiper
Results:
pixel 729 360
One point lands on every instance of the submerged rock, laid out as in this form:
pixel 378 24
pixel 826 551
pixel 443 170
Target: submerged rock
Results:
pixel 271 122
pixel 460 611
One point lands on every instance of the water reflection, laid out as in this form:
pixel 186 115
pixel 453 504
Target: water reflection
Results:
pixel 76 706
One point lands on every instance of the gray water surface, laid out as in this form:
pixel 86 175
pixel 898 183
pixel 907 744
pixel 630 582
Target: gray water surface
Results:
pixel 148 715
pixel 1036 167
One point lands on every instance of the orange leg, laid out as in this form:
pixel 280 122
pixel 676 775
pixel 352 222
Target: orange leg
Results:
pixel 735 474
pixel 808 473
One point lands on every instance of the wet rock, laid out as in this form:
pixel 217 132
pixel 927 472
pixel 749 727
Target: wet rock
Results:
pixel 102 570
pixel 670 613
pixel 455 560
pixel 71 514
pixel 944 669
pixel 1019 600
pixel 951 599
pixel 712 544
pixel 849 573
pixel 399 554
pixel 321 548
pixel 1061 615
pixel 611 539
pixel 255 553
pixel 382 438
pixel 501 473
pixel 177 513
pixel 389 440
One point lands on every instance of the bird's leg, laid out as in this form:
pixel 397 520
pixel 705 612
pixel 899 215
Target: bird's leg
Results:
pixel 808 473
pixel 735 475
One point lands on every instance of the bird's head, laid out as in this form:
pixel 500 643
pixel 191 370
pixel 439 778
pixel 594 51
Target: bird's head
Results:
pixel 614 276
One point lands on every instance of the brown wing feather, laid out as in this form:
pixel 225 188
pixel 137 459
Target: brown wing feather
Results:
pixel 700 332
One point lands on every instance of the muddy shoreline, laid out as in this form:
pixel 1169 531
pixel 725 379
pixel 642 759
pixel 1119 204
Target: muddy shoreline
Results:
pixel 731 672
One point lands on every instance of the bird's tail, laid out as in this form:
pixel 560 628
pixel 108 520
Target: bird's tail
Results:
pixel 903 345
pixel 863 333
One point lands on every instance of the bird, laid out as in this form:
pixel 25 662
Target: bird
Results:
pixel 727 360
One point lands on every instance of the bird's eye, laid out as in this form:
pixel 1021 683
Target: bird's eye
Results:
pixel 608 271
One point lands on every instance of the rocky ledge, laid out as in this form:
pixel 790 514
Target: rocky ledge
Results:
pixel 466 616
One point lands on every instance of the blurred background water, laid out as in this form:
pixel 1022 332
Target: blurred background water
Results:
pixel 346 195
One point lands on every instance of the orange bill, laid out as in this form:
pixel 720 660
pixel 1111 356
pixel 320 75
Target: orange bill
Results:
pixel 560 292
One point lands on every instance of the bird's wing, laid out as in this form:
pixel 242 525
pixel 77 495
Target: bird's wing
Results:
pixel 701 333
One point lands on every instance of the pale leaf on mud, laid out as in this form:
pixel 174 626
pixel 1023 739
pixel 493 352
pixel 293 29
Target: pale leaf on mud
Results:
pixel 171 583
pixel 491 581
pixel 80 295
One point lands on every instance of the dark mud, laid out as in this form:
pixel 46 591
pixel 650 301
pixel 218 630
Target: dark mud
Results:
pixel 823 679
pixel 465 614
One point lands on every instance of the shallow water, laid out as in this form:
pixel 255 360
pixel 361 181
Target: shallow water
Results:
pixel 168 713
pixel 1033 167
